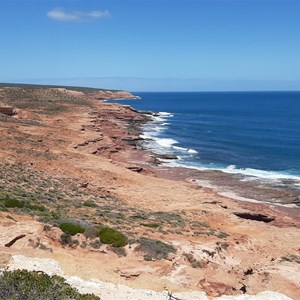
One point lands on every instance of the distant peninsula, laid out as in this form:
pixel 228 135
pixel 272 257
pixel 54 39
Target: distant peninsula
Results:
pixel 96 93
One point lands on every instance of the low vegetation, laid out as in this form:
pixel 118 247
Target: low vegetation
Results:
pixel 113 237
pixel 154 249
pixel 25 285
pixel 67 240
pixel 72 229
pixel 151 225
pixel 90 204
pixel 194 262
pixel 11 203
pixel 92 232
pixel 291 258
pixel 101 218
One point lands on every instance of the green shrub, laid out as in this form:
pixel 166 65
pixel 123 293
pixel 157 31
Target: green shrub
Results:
pixel 151 225
pixel 55 215
pixel 154 249
pixel 12 203
pixel 71 229
pixel 113 237
pixel 18 192
pixel 25 285
pixel 3 195
pixel 90 204
pixel 36 207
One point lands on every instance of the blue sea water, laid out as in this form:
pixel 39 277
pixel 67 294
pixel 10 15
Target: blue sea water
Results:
pixel 252 133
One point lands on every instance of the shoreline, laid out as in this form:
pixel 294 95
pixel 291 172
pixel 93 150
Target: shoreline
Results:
pixel 133 156
pixel 86 163
pixel 225 184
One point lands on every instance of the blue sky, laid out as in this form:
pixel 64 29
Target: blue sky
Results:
pixel 152 45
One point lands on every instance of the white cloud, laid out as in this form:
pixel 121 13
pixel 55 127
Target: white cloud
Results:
pixel 58 14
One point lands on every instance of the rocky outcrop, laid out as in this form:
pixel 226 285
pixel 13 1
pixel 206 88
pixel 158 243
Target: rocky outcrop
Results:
pixel 254 217
pixel 166 156
pixel 7 110
pixel 216 289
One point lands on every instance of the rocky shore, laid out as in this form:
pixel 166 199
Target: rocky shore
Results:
pixel 66 156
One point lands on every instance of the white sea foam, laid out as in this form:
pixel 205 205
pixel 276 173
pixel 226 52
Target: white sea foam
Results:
pixel 252 174
pixel 165 114
pixel 158 128
pixel 260 173
pixel 146 135
pixel 180 148
pixel 166 142
pixel 161 117
pixel 192 151
pixel 153 131
pixel 156 119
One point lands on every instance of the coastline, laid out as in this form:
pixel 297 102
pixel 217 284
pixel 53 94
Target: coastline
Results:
pixel 265 186
pixel 225 184
pixel 92 152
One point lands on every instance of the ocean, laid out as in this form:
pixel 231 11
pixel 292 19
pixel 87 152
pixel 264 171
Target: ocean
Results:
pixel 255 134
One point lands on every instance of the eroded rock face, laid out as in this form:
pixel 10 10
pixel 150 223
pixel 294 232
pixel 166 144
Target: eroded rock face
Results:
pixel 216 289
pixel 254 217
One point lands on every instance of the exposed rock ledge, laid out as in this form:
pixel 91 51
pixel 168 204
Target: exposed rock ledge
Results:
pixel 109 291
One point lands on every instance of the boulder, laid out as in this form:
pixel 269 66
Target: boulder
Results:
pixel 166 156
pixel 7 110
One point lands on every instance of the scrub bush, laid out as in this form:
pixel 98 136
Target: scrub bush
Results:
pixel 71 229
pixel 25 285
pixel 12 203
pixel 113 237
pixel 154 249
